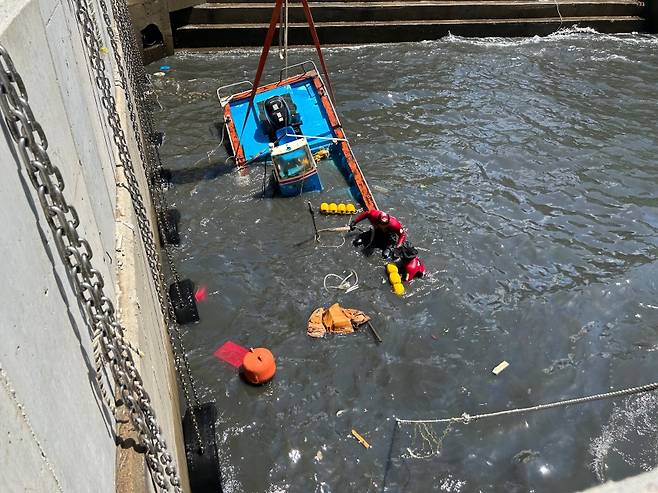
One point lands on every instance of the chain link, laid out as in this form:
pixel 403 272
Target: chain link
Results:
pixel 135 84
pixel 76 255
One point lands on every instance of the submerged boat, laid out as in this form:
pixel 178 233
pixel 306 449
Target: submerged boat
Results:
pixel 294 124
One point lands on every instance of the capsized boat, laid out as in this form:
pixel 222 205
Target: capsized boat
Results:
pixel 294 124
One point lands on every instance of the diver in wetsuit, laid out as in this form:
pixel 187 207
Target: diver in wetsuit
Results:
pixel 388 231
pixel 409 262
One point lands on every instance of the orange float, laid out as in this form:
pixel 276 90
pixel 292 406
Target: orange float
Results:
pixel 258 366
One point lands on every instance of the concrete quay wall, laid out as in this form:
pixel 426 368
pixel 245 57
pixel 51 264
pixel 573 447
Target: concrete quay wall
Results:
pixel 58 433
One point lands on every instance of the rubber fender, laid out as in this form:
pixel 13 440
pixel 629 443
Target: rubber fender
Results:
pixel 350 209
pixel 258 366
pixel 398 288
pixel 182 298
pixel 324 208
pixel 157 138
pixel 390 268
pixel 169 227
pixel 203 468
pixel 333 208
pixel 341 209
pixel 165 175
pixel 395 278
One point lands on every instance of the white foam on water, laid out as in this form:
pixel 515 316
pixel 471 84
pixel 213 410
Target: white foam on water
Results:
pixel 278 488
pixel 230 483
pixel 294 456
pixel 570 33
pixel 451 484
pixel 631 422
pixel 611 57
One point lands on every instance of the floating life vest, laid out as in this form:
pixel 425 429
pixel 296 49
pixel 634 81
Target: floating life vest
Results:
pixel 334 319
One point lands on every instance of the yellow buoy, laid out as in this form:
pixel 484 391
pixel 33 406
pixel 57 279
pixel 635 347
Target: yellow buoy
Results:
pixel 324 207
pixel 398 288
pixel 395 278
pixel 350 209
pixel 391 268
pixel 333 208
pixel 341 208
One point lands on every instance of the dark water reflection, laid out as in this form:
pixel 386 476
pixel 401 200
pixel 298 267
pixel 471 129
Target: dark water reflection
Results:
pixel 527 170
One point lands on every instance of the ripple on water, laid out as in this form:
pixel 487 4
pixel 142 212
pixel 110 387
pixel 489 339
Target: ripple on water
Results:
pixel 525 170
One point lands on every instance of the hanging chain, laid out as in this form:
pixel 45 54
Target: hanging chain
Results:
pixel 138 89
pixel 139 122
pixel 87 282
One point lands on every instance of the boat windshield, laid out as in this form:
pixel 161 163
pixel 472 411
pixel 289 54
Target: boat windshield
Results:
pixel 294 163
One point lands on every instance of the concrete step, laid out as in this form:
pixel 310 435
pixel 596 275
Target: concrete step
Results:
pixel 253 34
pixel 354 11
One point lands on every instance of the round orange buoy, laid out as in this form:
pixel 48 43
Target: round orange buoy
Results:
pixel 258 366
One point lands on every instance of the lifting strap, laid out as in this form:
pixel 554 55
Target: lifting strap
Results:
pixel 316 42
pixel 266 50
pixel 263 59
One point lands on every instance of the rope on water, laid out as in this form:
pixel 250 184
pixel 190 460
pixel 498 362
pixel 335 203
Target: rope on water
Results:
pixel 467 418
pixel 334 246
pixel 343 285
pixel 340 229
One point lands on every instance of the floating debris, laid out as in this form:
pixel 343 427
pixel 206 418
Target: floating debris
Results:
pixel 500 367
pixel 334 319
pixel 231 353
pixel 360 439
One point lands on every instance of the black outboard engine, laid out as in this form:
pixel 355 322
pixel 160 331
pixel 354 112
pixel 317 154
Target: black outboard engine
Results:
pixel 277 113
pixel 278 116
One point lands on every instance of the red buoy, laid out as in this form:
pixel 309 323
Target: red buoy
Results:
pixel 258 366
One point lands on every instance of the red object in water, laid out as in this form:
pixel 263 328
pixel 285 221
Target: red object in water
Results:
pixel 232 353
pixel 414 268
pixel 201 294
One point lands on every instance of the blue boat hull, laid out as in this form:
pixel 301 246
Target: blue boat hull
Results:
pixel 319 124
pixel 307 183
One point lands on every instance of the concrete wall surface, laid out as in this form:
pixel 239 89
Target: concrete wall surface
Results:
pixel 58 434
pixel 642 483
pixel 174 5
pixel 156 12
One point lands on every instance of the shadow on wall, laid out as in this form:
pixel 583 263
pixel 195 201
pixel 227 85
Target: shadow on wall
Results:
pixel 651 13
pixel 152 36
pixel 67 294
pixel 153 45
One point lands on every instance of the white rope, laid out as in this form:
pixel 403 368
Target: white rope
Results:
pixel 153 92
pixel 466 418
pixel 211 152
pixel 341 229
pixel 21 410
pixel 557 6
pixel 343 285
pixel 319 137
pixel 334 246
pixel 249 161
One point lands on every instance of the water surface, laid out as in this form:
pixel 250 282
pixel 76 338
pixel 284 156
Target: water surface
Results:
pixel 526 171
